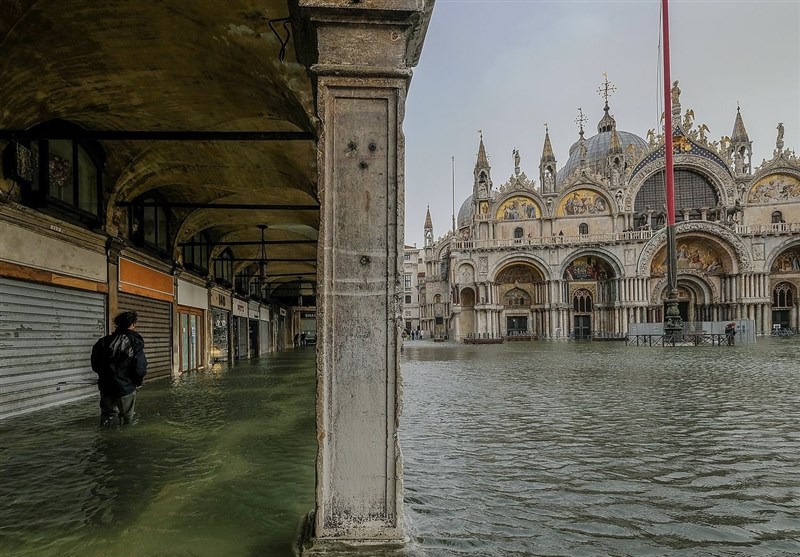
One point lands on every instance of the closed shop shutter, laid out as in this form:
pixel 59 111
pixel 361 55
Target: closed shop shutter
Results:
pixel 46 335
pixel 242 337
pixel 264 333
pixel 155 326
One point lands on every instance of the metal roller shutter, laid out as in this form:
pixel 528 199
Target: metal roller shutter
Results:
pixel 242 337
pixel 264 332
pixel 46 338
pixel 155 326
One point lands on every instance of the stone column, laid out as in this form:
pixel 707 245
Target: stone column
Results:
pixel 361 59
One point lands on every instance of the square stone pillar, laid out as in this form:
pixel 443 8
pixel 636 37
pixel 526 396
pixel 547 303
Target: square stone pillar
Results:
pixel 361 68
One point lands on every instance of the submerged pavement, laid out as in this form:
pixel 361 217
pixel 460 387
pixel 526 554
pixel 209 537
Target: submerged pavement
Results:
pixel 220 463
pixel 522 449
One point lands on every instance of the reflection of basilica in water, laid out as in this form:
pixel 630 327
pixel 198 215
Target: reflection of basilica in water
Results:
pixel 583 251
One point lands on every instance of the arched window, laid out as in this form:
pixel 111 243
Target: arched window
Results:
pixel 582 301
pixel 149 223
pixel 583 228
pixel 777 217
pixel 241 283
pixel 692 191
pixel 223 268
pixel 62 174
pixel 782 297
pixel 516 297
pixel 196 253
pixel 255 288
pixel 518 232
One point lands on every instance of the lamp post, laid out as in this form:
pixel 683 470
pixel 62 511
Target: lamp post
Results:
pixel 673 324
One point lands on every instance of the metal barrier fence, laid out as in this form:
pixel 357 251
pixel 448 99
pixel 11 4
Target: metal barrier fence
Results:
pixel 691 339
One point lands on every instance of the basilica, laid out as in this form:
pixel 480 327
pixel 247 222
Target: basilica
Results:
pixel 580 252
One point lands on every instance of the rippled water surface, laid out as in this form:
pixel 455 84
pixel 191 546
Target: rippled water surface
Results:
pixel 220 464
pixel 531 448
pixel 597 449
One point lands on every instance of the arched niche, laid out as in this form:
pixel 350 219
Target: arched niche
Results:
pixel 693 191
pixel 518 273
pixel 695 253
pixel 774 188
pixel 518 207
pixel 588 267
pixel 467 298
pixel 787 261
pixel 583 202
pixel 521 276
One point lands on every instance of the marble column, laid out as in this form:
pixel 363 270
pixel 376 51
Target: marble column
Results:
pixel 361 65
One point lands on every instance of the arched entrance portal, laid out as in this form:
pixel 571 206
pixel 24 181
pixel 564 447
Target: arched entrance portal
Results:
pixel 705 267
pixel 784 311
pixel 694 299
pixel 785 276
pixel 590 287
pixel 582 318
pixel 522 290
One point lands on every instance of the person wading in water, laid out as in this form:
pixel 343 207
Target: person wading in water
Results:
pixel 120 364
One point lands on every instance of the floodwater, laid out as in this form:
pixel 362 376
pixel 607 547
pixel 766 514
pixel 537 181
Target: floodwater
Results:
pixel 220 464
pixel 597 449
pixel 530 448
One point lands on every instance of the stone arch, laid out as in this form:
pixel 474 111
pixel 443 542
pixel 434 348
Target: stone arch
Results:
pixel 601 204
pixel 610 258
pixel 529 259
pixel 693 279
pixel 719 177
pixel 788 287
pixel 696 252
pixel 467 296
pixel 741 258
pixel 466 274
pixel 517 205
pixel 517 297
pixel 790 247
pixel 775 186
pixel 441 250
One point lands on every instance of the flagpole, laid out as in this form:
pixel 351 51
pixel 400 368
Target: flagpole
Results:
pixel 453 172
pixel 673 324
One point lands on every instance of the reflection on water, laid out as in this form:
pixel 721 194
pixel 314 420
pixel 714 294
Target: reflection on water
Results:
pixel 220 464
pixel 530 448
pixel 554 448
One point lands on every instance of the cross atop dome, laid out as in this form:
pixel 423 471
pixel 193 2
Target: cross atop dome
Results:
pixel 581 119
pixel 606 89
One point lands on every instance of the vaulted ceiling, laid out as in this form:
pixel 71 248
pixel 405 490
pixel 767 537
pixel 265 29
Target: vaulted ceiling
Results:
pixel 177 66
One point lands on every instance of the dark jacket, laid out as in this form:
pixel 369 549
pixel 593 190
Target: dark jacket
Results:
pixel 119 362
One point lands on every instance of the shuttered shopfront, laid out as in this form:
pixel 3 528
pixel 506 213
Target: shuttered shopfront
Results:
pixel 264 330
pixel 47 333
pixel 150 294
pixel 241 333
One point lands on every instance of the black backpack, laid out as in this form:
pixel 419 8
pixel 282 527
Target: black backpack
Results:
pixel 111 351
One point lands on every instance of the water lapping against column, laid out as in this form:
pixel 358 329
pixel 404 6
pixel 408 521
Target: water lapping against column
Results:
pixel 551 448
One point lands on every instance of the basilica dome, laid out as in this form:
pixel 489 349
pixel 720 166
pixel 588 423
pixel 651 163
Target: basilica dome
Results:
pixel 597 148
pixel 465 213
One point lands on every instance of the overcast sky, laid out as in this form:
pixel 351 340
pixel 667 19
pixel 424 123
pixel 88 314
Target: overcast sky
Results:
pixel 508 66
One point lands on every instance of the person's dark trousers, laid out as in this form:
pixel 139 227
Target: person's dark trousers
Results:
pixel 116 407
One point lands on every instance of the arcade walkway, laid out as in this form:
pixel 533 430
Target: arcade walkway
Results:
pixel 220 464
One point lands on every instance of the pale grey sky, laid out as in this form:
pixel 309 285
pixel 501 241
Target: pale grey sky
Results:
pixel 508 66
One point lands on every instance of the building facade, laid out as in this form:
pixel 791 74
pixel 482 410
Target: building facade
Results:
pixel 581 252
pixel 412 272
